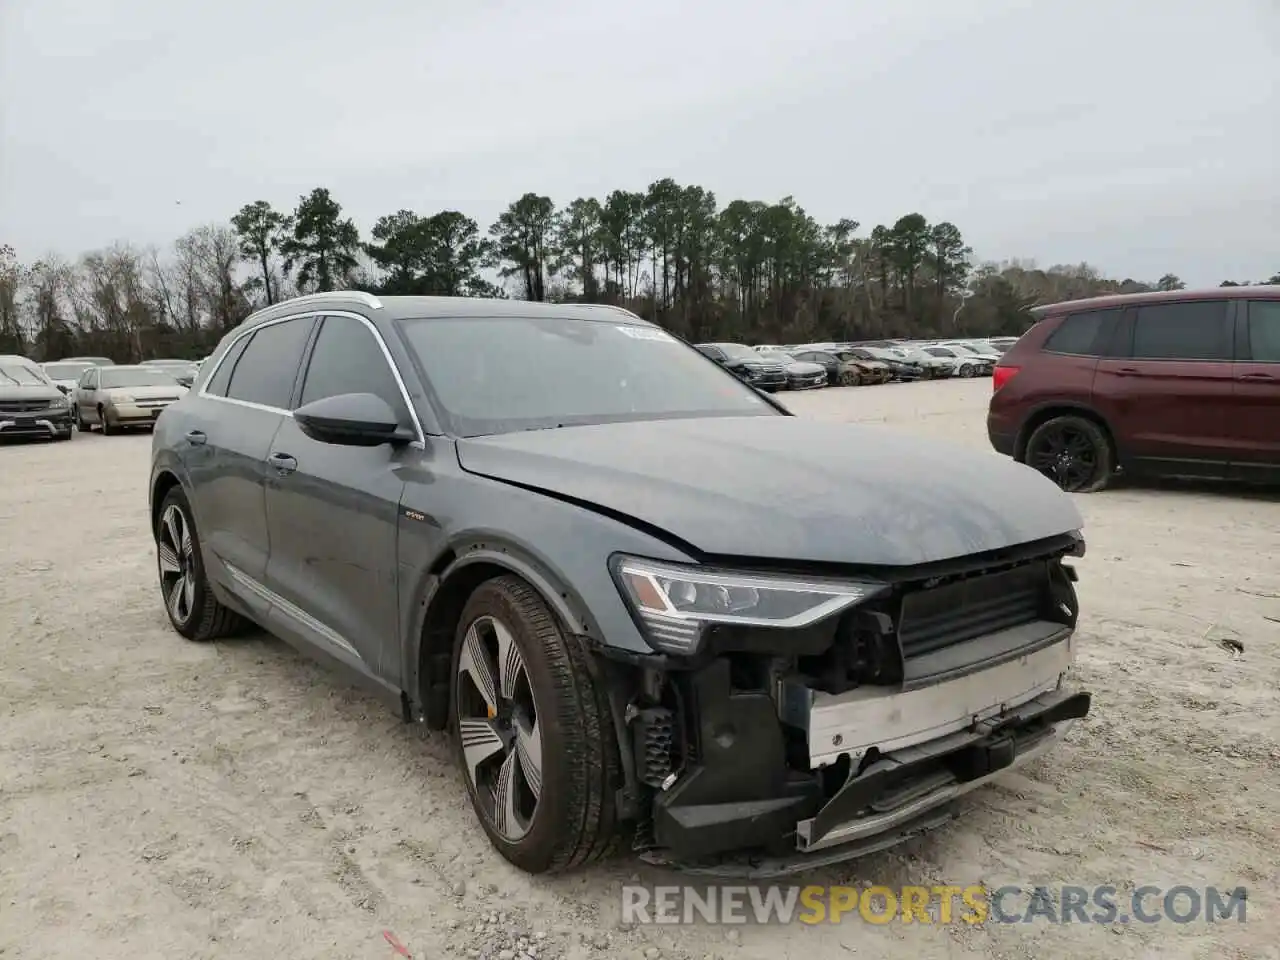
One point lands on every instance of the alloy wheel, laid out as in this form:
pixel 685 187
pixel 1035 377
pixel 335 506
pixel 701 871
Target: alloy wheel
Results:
pixel 1066 456
pixel 499 728
pixel 177 566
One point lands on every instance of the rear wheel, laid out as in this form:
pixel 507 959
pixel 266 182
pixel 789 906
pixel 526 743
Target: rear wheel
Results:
pixel 1073 452
pixel 189 601
pixel 532 731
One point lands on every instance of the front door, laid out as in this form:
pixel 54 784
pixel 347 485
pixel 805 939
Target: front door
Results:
pixel 333 512
pixel 85 397
pixel 1255 423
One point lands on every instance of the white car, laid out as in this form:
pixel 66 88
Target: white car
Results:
pixel 65 374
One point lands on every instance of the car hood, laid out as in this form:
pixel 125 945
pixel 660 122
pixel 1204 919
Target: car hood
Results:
pixel 42 391
pixel 787 488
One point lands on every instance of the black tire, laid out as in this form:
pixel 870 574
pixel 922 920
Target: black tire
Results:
pixel 204 618
pixel 81 426
pixel 107 429
pixel 1074 452
pixel 575 819
pixel 850 378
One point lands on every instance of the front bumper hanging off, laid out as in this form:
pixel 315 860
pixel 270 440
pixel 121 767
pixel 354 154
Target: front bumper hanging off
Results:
pixel 906 754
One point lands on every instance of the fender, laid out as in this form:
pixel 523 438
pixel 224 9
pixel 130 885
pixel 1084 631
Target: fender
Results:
pixel 563 601
pixel 1073 406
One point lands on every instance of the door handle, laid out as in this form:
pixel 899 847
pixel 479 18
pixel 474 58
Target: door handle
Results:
pixel 1256 376
pixel 1126 371
pixel 282 463
pixel 197 438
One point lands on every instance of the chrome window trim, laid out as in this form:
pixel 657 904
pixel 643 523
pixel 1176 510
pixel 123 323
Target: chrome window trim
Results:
pixel 419 442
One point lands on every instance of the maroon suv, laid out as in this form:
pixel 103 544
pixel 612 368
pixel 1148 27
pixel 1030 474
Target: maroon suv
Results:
pixel 1182 384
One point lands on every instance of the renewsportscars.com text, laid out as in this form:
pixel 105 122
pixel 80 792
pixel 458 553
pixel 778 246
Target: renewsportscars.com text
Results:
pixel 973 904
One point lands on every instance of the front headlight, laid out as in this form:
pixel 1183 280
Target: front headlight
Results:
pixel 120 398
pixel 675 603
pixel 58 403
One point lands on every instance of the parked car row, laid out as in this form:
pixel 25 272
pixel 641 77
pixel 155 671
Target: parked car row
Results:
pixel 57 398
pixel 807 366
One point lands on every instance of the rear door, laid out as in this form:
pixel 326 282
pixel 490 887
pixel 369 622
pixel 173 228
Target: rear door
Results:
pixel 333 512
pixel 1255 422
pixel 1167 387
pixel 225 446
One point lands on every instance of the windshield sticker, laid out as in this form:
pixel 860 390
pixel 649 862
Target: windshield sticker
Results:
pixel 647 333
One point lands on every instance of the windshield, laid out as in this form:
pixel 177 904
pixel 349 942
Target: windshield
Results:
pixel 777 356
pixel 854 355
pixel 113 377
pixel 65 371
pixel 738 351
pixel 939 352
pixel 179 364
pixel 12 372
pixel 499 375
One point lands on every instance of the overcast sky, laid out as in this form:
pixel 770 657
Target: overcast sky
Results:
pixel 1140 135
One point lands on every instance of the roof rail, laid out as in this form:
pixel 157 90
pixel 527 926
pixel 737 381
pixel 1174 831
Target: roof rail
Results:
pixel 368 299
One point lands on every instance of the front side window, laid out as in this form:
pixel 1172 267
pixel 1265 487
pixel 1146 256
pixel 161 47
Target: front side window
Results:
pixel 1191 330
pixel 501 375
pixel 265 371
pixel 347 358
pixel 1264 331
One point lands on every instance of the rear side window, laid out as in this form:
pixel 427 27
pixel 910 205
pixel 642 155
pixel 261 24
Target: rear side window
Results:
pixel 347 358
pixel 217 386
pixel 1191 330
pixel 1081 333
pixel 1264 331
pixel 266 370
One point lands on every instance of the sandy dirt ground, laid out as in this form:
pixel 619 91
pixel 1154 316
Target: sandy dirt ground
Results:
pixel 162 799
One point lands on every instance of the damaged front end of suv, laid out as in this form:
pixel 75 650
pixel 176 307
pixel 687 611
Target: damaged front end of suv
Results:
pixel 805 719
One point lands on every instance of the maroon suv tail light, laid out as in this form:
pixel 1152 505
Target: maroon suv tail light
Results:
pixel 1002 375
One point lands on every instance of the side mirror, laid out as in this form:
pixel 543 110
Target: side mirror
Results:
pixel 351 420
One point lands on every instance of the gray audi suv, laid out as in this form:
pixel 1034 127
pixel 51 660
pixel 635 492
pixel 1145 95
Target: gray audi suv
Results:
pixel 650 607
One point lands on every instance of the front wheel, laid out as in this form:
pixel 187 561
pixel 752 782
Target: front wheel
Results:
pixel 850 378
pixel 1073 452
pixel 532 732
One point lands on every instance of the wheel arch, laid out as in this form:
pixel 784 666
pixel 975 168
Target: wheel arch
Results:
pixel 1046 412
pixel 164 480
pixel 441 597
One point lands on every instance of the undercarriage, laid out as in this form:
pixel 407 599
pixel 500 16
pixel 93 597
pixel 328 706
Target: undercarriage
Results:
pixel 779 750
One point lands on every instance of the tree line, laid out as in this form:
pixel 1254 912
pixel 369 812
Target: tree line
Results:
pixel 746 271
